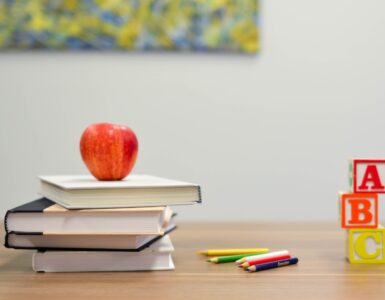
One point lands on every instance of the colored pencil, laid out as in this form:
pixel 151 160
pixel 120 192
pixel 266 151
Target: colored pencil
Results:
pixel 267 255
pixel 263 261
pixel 222 252
pixel 274 264
pixel 229 258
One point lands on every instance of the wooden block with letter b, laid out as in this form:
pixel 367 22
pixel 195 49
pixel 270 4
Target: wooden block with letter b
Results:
pixel 367 175
pixel 366 246
pixel 359 210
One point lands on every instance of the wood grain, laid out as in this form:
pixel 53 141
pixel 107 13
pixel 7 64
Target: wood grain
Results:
pixel 322 272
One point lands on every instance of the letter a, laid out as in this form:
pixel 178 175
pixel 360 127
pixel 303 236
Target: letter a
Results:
pixel 371 175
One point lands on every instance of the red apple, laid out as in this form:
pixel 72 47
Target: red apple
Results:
pixel 108 150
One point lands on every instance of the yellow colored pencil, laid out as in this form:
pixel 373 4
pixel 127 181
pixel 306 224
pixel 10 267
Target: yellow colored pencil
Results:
pixel 228 258
pixel 222 252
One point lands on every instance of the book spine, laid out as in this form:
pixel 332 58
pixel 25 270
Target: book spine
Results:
pixel 8 234
pixel 199 194
pixel 6 221
pixel 6 244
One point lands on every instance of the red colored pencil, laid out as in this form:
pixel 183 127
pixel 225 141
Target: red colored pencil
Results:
pixel 262 261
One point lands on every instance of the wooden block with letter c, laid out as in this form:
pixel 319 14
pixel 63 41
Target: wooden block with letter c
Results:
pixel 366 246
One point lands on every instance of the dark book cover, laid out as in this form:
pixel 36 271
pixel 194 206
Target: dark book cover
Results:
pixel 36 206
pixel 148 244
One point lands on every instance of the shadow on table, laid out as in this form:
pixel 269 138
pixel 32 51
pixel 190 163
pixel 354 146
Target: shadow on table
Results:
pixel 21 261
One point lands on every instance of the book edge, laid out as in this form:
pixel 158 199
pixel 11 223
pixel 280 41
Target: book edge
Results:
pixel 43 178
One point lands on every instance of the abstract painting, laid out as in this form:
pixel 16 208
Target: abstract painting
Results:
pixel 137 25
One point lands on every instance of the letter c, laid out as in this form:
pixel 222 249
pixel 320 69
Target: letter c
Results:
pixel 360 245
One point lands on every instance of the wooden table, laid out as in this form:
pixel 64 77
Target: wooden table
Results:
pixel 322 272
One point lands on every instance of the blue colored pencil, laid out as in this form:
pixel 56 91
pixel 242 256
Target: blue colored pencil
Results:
pixel 272 265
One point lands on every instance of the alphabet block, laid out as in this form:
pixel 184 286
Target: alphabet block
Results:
pixel 367 175
pixel 359 210
pixel 366 246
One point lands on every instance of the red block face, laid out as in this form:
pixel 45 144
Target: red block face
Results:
pixel 359 211
pixel 368 176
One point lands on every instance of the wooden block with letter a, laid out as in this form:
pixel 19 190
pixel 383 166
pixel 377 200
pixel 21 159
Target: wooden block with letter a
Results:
pixel 366 246
pixel 367 175
pixel 359 210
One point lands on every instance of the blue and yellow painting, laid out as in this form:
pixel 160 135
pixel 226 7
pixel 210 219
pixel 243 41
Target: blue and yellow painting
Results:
pixel 138 25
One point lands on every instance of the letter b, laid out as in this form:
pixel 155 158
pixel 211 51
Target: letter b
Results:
pixel 359 210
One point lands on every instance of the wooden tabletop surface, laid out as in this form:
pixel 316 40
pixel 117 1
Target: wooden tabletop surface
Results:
pixel 322 272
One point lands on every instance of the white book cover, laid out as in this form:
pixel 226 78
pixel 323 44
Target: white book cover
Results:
pixel 76 182
pixel 84 191
pixel 156 257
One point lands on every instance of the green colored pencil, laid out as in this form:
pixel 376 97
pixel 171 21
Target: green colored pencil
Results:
pixel 230 258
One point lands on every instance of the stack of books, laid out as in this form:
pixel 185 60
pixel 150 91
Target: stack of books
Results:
pixel 83 224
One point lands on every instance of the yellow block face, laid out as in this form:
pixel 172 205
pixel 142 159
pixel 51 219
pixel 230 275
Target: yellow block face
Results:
pixel 366 246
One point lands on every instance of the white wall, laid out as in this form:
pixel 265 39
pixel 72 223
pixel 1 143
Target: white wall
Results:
pixel 268 137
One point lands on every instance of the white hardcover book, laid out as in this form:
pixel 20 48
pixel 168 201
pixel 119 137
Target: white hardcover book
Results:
pixel 156 257
pixel 84 191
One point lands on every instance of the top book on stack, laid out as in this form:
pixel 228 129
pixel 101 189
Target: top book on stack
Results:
pixel 84 191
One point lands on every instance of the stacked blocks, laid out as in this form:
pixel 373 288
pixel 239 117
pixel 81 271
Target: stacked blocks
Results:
pixel 359 212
